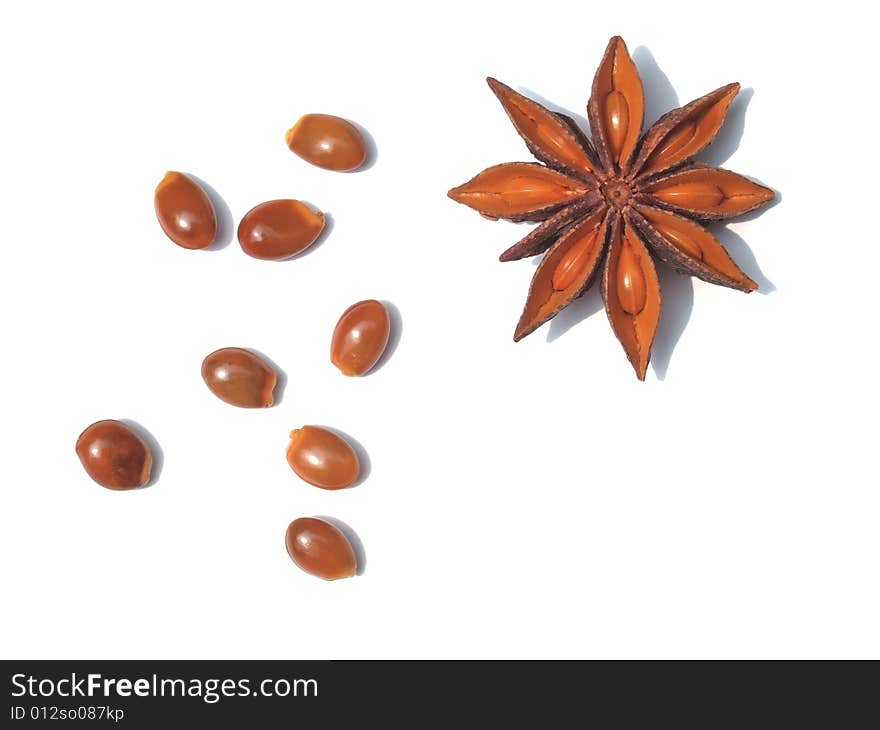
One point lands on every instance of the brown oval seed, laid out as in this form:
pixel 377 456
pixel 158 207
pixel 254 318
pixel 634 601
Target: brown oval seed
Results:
pixel 616 120
pixel 114 455
pixel 672 144
pixel 279 229
pixel 185 211
pixel 323 459
pixel 320 549
pixel 239 377
pixel 698 195
pixel 632 290
pixel 682 240
pixel 578 256
pixel 327 141
pixel 360 337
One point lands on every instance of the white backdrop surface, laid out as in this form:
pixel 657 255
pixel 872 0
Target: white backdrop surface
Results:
pixel 524 500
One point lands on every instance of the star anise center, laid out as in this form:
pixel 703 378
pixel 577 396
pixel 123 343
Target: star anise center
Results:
pixel 617 193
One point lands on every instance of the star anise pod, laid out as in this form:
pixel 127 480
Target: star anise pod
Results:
pixel 610 205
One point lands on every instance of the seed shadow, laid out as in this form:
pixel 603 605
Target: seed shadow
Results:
pixel 370 145
pixel 281 376
pixel 579 118
pixel 394 334
pixel 744 258
pixel 660 96
pixel 225 222
pixel 678 304
pixel 360 554
pixel 575 313
pixel 366 465
pixel 730 135
pixel 155 450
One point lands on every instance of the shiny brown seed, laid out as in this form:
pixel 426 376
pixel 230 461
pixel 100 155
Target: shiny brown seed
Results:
pixel 279 229
pixel 239 377
pixel 321 458
pixel 114 455
pixel 360 337
pixel 185 211
pixel 575 260
pixel 631 287
pixel 680 238
pixel 708 193
pixel 327 141
pixel 673 144
pixel 321 549
pixel 616 120
pixel 635 331
pixel 693 195
pixel 617 106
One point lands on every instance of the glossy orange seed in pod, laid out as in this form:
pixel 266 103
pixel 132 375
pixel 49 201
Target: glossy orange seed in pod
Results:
pixel 632 287
pixel 279 229
pixel 239 377
pixel 327 141
pixel 320 549
pixel 322 458
pixel 114 455
pixel 185 211
pixel 360 337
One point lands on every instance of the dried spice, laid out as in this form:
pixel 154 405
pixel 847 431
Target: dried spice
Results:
pixel 278 229
pixel 360 337
pixel 609 205
pixel 185 211
pixel 327 141
pixel 114 455
pixel 240 378
pixel 323 459
pixel 320 548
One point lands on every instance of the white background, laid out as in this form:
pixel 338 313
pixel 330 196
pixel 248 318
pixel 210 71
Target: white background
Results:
pixel 528 500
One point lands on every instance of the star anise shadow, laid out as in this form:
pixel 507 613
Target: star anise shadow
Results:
pixel 660 95
pixel 744 256
pixel 575 313
pixel 579 118
pixel 678 305
pixel 677 289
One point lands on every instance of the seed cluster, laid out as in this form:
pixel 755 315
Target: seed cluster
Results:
pixel 116 456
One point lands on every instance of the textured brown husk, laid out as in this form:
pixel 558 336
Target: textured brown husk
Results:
pixel 540 238
pixel 667 123
pixel 684 264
